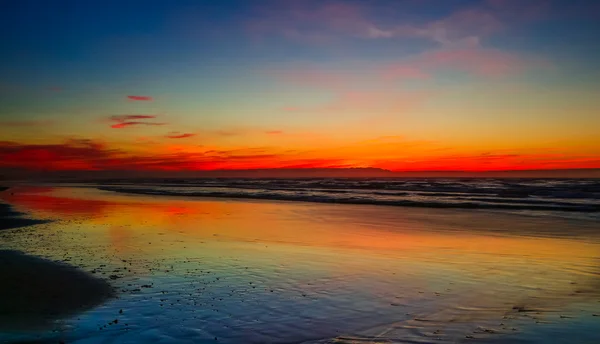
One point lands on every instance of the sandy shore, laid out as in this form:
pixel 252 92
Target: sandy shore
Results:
pixel 258 271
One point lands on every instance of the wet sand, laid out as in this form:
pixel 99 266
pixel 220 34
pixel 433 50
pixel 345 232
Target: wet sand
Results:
pixel 35 291
pixel 200 270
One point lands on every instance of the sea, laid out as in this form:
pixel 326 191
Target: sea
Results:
pixel 571 198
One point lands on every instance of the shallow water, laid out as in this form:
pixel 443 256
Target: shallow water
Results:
pixel 252 271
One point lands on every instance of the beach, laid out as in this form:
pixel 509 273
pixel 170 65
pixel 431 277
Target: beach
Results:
pixel 201 269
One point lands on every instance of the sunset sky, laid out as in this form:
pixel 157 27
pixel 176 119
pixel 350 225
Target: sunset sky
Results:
pixel 405 85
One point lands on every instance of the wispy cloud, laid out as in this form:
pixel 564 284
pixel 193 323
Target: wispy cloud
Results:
pixel 466 27
pixel 123 121
pixel 125 118
pixel 274 132
pixel 128 124
pixel 325 21
pixel 140 98
pixel 178 135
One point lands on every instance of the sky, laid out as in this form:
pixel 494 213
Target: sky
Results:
pixel 404 85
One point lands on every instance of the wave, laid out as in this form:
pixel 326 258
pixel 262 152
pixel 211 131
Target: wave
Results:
pixel 508 188
pixel 403 199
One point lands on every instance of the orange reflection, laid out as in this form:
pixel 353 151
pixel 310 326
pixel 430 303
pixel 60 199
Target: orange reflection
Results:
pixel 43 200
pixel 369 229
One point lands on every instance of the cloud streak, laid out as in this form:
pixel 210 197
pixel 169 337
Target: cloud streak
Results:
pixel 140 98
pixel 177 135
pixel 124 121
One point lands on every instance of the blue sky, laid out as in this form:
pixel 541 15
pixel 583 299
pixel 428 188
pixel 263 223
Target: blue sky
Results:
pixel 515 78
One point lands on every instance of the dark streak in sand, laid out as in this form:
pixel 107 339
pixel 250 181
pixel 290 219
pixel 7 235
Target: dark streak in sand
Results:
pixel 12 219
pixel 36 291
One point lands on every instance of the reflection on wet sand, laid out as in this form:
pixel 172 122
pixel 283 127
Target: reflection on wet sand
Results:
pixel 277 271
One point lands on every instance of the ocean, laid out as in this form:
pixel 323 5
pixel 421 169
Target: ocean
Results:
pixel 578 198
